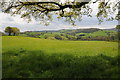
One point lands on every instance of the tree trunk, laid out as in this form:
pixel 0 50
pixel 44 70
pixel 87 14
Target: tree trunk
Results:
pixel 14 34
pixel 9 34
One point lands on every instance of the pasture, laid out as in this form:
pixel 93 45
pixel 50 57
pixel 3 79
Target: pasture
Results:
pixel 82 48
pixel 25 57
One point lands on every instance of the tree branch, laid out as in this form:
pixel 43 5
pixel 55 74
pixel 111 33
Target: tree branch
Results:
pixel 47 9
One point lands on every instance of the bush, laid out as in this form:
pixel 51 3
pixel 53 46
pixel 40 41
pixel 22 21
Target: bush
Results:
pixel 58 37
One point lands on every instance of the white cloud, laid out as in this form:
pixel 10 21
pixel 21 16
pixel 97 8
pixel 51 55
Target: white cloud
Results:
pixel 16 21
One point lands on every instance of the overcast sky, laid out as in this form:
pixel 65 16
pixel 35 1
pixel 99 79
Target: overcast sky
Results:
pixel 23 25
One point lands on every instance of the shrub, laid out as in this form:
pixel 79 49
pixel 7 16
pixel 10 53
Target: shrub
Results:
pixel 58 37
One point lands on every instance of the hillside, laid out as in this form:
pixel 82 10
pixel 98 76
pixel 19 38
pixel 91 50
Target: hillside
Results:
pixel 74 34
pixel 70 30
pixel 112 29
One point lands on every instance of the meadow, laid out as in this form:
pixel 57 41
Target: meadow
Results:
pixel 82 48
pixel 25 57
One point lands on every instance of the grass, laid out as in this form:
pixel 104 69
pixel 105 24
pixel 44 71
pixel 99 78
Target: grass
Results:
pixel 25 57
pixel 102 33
pixel 37 64
pixel 82 48
pixel 99 33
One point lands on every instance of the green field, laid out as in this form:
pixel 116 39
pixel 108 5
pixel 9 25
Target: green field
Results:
pixel 82 48
pixel 42 58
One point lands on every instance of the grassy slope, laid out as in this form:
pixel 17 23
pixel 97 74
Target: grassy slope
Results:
pixel 98 33
pixel 54 46
pixel 102 33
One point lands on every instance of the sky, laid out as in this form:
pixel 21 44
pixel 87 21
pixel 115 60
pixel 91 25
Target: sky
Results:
pixel 23 25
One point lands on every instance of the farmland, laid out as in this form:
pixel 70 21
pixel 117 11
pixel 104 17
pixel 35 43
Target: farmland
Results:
pixel 26 57
pixel 60 39
pixel 90 34
pixel 82 48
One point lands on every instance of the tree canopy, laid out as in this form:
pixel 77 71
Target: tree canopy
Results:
pixel 8 30
pixel 15 31
pixel 12 30
pixel 70 10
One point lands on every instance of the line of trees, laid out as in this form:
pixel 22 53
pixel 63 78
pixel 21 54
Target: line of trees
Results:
pixel 12 31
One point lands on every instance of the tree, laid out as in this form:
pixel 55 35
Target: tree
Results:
pixel 12 30
pixel 71 10
pixel 58 37
pixel 8 30
pixel 15 31
pixel 118 28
